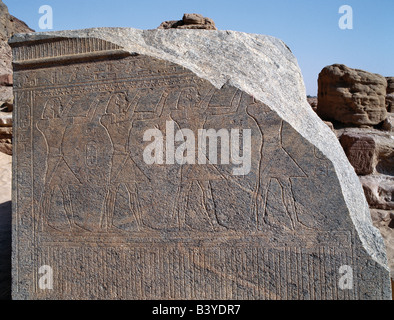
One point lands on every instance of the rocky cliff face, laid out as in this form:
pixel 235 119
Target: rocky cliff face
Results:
pixel 360 106
pixel 9 25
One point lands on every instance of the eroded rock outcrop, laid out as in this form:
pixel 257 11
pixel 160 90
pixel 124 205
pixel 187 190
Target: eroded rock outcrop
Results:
pixel 360 105
pixel 189 21
pixel 9 25
pixel 390 94
pixel 351 96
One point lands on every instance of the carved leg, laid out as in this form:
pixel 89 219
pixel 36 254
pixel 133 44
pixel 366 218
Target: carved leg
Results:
pixel 210 206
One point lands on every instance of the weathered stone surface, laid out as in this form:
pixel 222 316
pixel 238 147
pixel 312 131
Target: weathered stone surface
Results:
pixel 379 190
pixel 5 95
pixel 390 85
pixel 383 158
pixel 390 94
pixel 5 119
pixel 351 96
pixel 313 102
pixel 6 140
pixel 388 124
pixel 9 25
pixel 384 221
pixel 360 150
pixel 5 178
pixel 86 202
pixel 6 80
pixel 189 21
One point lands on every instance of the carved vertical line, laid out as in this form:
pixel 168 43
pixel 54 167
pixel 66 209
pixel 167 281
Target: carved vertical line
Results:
pixel 91 252
pixel 235 268
pixel 277 273
pixel 324 272
pixel 69 255
pixel 65 268
pixel 60 271
pixel 88 276
pixel 112 272
pixel 186 281
pixel 139 273
pixel 156 275
pixel 308 274
pixel 132 261
pixel 203 273
pixel 115 272
pixel 210 278
pixel 245 271
pixel 193 273
pixel 172 273
pixel 300 282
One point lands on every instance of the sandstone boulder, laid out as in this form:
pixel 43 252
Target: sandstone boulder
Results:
pixel 6 80
pixel 9 25
pixel 390 94
pixel 313 102
pixel 351 96
pixel 388 124
pixel 384 221
pixel 379 190
pixel 361 152
pixel 368 147
pixel 189 21
pixel 6 140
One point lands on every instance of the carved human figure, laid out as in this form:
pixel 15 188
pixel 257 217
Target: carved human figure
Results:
pixel 274 201
pixel 55 125
pixel 118 120
pixel 190 113
pixel 58 174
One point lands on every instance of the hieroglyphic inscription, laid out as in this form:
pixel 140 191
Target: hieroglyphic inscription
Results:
pixel 114 227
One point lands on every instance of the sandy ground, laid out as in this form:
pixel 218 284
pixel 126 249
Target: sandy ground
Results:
pixel 5 226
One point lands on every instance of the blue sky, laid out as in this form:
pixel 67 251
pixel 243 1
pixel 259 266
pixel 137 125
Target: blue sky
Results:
pixel 309 27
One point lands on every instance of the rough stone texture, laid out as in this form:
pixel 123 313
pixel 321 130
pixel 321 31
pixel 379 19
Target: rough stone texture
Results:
pixel 189 21
pixel 351 96
pixel 5 95
pixel 6 80
pixel 382 158
pixel 360 150
pixel 388 124
pixel 9 25
pixel 384 221
pixel 6 140
pixel 87 204
pixel 379 190
pixel 5 226
pixel 313 102
pixel 390 94
pixel 5 119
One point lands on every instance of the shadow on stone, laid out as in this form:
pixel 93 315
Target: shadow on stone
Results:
pixel 5 250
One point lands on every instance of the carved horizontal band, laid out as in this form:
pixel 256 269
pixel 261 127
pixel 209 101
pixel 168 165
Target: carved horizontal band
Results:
pixel 55 51
pixel 71 58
